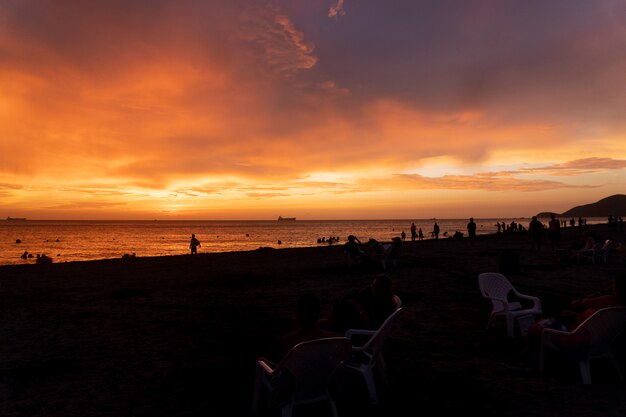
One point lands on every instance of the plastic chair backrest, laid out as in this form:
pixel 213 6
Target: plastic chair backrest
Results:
pixel 312 364
pixel 603 327
pixel 494 285
pixel 376 342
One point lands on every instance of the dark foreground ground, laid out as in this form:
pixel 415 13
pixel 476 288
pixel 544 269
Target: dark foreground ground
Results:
pixel 179 336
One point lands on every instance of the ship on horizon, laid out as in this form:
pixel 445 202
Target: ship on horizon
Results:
pixel 9 218
pixel 281 218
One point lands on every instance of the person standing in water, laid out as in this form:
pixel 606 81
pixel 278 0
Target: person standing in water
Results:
pixel 471 231
pixel 194 244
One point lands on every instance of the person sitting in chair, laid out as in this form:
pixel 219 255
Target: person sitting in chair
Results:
pixel 353 249
pixel 305 326
pixel 367 309
pixel 580 309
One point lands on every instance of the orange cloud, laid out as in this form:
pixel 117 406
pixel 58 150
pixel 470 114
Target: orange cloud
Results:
pixel 182 106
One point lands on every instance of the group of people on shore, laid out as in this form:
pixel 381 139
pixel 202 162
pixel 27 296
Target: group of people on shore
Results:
pixel 416 233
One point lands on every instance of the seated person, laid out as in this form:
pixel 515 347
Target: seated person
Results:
pixel 583 247
pixel 345 314
pixel 353 248
pixel 580 310
pixel 391 252
pixel 305 325
pixel 610 297
pixel 615 247
pixel 377 301
pixel 367 309
pixel 374 247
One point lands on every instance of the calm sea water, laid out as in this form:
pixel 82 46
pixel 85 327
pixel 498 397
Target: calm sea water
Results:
pixel 66 241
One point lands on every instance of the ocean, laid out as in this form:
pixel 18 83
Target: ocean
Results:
pixel 69 241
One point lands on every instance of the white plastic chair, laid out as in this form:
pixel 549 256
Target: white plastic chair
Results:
pixel 592 339
pixel 397 301
pixel 497 288
pixel 605 250
pixel 368 357
pixel 303 376
pixel 591 254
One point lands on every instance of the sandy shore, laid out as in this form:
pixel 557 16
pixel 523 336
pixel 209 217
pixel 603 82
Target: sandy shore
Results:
pixel 178 336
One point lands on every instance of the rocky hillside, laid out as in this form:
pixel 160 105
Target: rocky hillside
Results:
pixel 614 205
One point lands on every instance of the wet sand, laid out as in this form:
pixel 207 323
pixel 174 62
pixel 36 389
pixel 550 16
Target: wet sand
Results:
pixel 179 335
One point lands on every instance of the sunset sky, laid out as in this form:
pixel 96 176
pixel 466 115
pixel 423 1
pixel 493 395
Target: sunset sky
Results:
pixel 319 109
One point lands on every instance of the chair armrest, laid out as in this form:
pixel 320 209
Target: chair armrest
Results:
pixel 535 300
pixel 547 334
pixel 549 331
pixel 531 297
pixel 266 365
pixel 360 332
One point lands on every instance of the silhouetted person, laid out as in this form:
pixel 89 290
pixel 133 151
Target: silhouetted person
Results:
pixel 413 232
pixel 305 325
pixel 367 309
pixel 554 232
pixel 194 244
pixel 353 249
pixel 377 301
pixel 436 231
pixel 535 227
pixel 580 309
pixel 471 231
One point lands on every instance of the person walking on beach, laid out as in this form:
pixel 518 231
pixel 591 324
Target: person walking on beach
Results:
pixel 413 232
pixel 420 234
pixel 194 244
pixel 471 231
pixel 436 231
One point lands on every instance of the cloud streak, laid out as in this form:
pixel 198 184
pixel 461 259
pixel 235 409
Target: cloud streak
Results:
pixel 336 10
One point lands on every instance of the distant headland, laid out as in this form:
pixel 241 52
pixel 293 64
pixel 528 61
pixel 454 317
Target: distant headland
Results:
pixel 614 205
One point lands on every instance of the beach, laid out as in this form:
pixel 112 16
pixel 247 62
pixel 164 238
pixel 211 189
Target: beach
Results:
pixel 179 335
